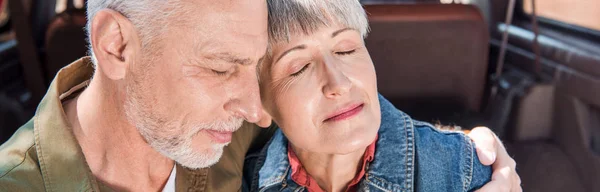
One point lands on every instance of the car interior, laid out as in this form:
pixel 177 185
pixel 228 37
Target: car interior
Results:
pixel 527 69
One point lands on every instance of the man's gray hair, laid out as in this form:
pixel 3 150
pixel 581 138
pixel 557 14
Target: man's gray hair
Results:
pixel 292 17
pixel 150 17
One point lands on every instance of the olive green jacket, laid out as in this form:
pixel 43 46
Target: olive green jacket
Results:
pixel 43 155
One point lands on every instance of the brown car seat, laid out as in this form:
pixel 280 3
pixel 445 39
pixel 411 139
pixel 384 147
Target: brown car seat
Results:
pixel 65 40
pixel 431 59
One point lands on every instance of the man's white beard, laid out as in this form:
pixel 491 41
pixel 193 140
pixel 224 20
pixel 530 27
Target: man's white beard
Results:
pixel 180 149
pixel 178 146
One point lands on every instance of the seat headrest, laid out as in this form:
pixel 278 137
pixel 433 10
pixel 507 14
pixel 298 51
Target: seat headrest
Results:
pixel 429 54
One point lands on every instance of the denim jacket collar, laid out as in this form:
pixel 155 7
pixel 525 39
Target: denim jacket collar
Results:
pixel 276 166
pixel 396 131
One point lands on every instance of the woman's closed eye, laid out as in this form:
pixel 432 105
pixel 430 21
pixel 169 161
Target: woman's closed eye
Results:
pixel 346 52
pixel 299 72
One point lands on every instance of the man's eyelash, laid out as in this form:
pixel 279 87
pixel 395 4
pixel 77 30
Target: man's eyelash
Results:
pixel 301 70
pixel 219 73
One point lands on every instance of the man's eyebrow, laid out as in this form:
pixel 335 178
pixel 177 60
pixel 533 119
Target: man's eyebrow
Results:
pixel 299 47
pixel 340 31
pixel 227 57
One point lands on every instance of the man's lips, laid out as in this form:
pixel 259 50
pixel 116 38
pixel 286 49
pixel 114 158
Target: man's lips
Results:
pixel 346 112
pixel 220 136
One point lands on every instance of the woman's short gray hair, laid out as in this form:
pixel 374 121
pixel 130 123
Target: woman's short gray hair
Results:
pixel 294 17
pixel 291 17
pixel 150 17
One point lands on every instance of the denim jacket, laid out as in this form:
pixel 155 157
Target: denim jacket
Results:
pixel 409 156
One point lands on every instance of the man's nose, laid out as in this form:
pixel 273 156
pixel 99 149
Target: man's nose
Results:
pixel 337 83
pixel 265 121
pixel 247 102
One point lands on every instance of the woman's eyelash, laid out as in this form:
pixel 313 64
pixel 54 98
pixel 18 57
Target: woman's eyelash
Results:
pixel 346 52
pixel 301 70
pixel 306 66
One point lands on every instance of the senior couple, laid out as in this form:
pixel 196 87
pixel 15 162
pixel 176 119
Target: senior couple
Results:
pixel 174 92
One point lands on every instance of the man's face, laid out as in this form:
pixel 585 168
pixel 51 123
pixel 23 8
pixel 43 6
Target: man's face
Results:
pixel 189 94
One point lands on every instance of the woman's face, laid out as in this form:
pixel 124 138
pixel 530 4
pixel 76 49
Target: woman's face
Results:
pixel 321 90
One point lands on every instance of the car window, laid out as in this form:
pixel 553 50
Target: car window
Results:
pixel 78 3
pixel 583 13
pixel 61 5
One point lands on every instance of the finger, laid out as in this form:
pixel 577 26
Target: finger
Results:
pixel 504 176
pixel 486 144
pixel 516 186
pixel 516 178
pixel 517 189
pixel 494 186
pixel 500 182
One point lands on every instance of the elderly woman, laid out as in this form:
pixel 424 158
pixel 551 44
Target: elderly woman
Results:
pixel 336 132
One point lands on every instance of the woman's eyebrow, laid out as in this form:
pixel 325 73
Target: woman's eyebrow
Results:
pixel 299 47
pixel 340 31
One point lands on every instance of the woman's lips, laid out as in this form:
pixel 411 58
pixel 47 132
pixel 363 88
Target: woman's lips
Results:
pixel 346 112
pixel 220 136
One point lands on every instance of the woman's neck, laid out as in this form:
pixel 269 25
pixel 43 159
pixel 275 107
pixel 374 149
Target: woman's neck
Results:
pixel 331 171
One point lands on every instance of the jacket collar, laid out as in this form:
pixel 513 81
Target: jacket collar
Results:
pixel 62 162
pixel 394 152
pixel 393 165
pixel 276 166
pixel 56 145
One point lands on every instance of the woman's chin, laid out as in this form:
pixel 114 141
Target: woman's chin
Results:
pixel 348 144
pixel 350 150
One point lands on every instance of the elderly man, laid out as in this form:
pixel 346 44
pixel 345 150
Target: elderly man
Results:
pixel 162 98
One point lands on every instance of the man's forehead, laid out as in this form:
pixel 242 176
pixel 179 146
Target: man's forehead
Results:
pixel 227 30
pixel 230 58
pixel 244 53
pixel 232 9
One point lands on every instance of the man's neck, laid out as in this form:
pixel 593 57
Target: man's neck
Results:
pixel 116 153
pixel 331 171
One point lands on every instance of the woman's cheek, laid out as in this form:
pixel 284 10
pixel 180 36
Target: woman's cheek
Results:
pixel 284 97
pixel 296 104
pixel 296 99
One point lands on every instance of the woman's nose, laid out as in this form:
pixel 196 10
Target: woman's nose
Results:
pixel 337 83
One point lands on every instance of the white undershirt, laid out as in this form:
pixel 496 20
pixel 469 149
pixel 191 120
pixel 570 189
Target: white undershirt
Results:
pixel 170 186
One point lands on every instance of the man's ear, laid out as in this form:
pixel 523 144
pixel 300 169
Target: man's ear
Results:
pixel 114 42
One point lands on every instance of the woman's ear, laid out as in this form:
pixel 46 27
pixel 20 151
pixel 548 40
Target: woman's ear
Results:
pixel 113 37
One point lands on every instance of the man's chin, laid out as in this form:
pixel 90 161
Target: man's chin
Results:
pixel 203 159
pixel 199 166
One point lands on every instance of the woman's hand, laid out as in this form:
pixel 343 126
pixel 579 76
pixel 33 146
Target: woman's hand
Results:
pixel 491 152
